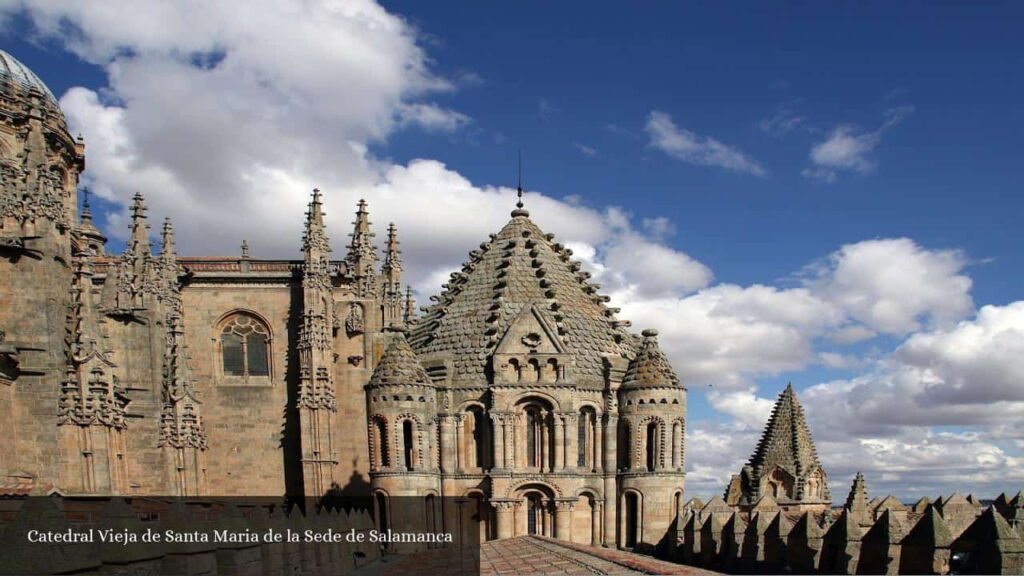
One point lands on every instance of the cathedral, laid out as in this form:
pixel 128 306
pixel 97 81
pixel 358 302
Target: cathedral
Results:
pixel 515 403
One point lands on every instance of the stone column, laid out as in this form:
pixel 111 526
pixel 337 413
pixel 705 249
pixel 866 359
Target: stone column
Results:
pixel 572 450
pixel 563 518
pixel 504 510
pixel 559 442
pixel 545 464
pixel 497 421
pixel 595 523
pixel 509 421
pixel 460 454
pixel 598 445
pixel 611 493
pixel 447 444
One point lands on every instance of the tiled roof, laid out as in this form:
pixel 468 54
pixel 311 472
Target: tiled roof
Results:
pixel 786 440
pixel 399 365
pixel 520 266
pixel 651 366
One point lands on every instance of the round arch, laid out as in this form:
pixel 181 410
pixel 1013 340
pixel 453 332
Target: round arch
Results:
pixel 528 395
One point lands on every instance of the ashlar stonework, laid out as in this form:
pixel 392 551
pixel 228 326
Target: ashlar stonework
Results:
pixel 517 403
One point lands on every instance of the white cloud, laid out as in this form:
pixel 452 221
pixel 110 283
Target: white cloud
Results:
pixel 584 149
pixel 978 362
pixel 685 146
pixel 744 406
pixel 941 413
pixel 782 122
pixel 891 285
pixel 431 117
pixel 727 335
pixel 847 149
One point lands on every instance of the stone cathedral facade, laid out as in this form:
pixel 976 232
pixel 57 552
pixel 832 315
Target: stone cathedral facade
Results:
pixel 515 403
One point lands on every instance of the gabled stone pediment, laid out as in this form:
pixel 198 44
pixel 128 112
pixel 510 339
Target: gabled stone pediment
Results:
pixel 530 333
pixel 530 351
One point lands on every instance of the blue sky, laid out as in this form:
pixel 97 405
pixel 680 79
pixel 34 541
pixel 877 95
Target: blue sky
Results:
pixel 832 191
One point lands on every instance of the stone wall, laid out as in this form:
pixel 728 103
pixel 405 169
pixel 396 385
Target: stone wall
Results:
pixel 953 535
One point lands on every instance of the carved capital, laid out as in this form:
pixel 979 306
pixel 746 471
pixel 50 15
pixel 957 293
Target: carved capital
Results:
pixel 565 504
pixel 504 505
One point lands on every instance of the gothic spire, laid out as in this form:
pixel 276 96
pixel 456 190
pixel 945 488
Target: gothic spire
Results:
pixel 167 250
pixel 392 268
pixel 410 306
pixel 138 244
pixel 94 239
pixel 362 256
pixel 314 240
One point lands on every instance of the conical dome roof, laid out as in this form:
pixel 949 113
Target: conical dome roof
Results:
pixel 399 366
pixel 651 366
pixel 786 440
pixel 520 266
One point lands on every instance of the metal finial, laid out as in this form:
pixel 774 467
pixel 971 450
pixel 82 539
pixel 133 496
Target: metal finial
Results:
pixel 519 203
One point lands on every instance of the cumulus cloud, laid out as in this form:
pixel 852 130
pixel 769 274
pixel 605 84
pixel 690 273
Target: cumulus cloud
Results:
pixel 892 285
pixel 686 146
pixel 847 149
pixel 727 335
pixel 226 129
pixel 940 412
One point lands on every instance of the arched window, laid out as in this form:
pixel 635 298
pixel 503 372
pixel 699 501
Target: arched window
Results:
pixel 408 444
pixel 625 449
pixel 534 370
pixel 533 436
pixel 244 347
pixel 381 508
pixel 476 426
pixel 534 514
pixel 632 518
pixel 677 444
pixel 779 484
pixel 586 438
pixel 380 439
pixel 652 445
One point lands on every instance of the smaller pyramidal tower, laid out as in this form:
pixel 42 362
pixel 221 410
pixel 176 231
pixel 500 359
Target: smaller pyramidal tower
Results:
pixel 785 463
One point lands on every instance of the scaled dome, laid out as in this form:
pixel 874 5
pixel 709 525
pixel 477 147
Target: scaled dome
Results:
pixel 19 86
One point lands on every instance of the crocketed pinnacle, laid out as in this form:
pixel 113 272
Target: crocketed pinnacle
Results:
pixel 392 267
pixel 399 365
pixel 138 244
pixel 520 267
pixel 857 501
pixel 314 239
pixel 786 441
pixel 650 367
pixel 167 251
pixel 361 254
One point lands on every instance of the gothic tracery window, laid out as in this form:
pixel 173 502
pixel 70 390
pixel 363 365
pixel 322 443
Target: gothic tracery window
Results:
pixel 244 343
